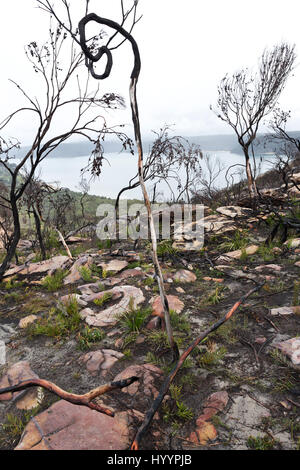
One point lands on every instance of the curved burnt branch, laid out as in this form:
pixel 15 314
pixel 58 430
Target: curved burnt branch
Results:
pixel 91 59
pixel 83 400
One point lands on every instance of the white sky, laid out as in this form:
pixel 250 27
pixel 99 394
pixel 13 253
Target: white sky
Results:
pixel 186 48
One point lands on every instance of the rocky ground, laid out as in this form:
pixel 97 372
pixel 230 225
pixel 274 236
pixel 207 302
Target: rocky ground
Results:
pixel 84 322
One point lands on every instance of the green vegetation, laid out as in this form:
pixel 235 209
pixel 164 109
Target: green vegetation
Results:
pixel 88 336
pixel 260 443
pixel 165 249
pixel 107 296
pixel 56 281
pixel 59 323
pixel 238 241
pixel 134 319
pixel 86 273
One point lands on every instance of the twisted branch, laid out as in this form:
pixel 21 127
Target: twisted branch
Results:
pixel 83 400
pixel 91 59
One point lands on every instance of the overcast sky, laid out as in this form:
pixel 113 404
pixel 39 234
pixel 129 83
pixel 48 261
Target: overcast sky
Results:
pixel 186 48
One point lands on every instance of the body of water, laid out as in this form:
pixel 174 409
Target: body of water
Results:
pixel 120 168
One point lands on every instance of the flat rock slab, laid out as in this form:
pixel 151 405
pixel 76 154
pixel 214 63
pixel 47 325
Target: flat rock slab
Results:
pixel 290 348
pixel 183 275
pixel 48 266
pixel 100 361
pixel 295 243
pixel 114 266
pixel 234 211
pixel 174 304
pixel 145 387
pixel 131 297
pixel 18 373
pixel 249 250
pixel 285 311
pixel 65 426
pixel 243 417
pixel 274 268
pixel 26 321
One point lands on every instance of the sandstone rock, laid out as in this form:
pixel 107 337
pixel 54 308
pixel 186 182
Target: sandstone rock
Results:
pixel 88 289
pixel 102 360
pixel 180 290
pixel 295 243
pixel 290 348
pixel 114 266
pixel 297 264
pixel 146 385
pixel 65 426
pixel 284 310
pixel 48 266
pixel 184 276
pixel 174 304
pixel 268 267
pixel 214 279
pixel 24 322
pixel 17 373
pixel 131 296
pixel 234 211
pixel 74 276
pixel 205 430
pixel 250 250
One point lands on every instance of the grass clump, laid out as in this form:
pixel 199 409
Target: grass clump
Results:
pixel 55 281
pixel 165 249
pixel 107 296
pixel 88 336
pixel 260 443
pixel 86 273
pixel 134 319
pixel 60 322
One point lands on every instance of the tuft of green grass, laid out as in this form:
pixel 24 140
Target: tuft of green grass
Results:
pixel 88 336
pixel 238 241
pixel 134 319
pixel 107 296
pixel 165 249
pixel 86 273
pixel 59 323
pixel 211 357
pixel 260 443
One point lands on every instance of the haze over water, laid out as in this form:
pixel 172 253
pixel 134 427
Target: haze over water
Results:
pixel 120 168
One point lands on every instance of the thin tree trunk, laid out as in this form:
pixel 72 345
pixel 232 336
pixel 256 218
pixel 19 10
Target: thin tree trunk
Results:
pixel 37 222
pixel 11 251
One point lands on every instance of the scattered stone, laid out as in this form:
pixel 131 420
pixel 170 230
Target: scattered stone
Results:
pixel 260 340
pixel 153 324
pixel 285 311
pixel 24 322
pixel 65 426
pixel 48 266
pixel 100 361
pixel 131 297
pixel 174 304
pixel 243 417
pixel 234 211
pixel 214 279
pixel 276 250
pixel 297 264
pixel 180 290
pixel 88 289
pixel 75 276
pixel 145 386
pixel 114 266
pixel 268 267
pixel 17 373
pixel 249 250
pixel 184 276
pixel 6 332
pixel 205 430
pixel 290 348
pixel 295 243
